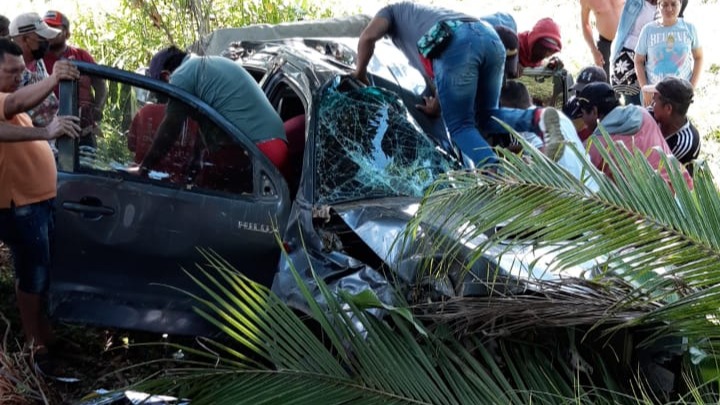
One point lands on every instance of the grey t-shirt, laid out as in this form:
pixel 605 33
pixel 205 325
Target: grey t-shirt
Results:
pixel 229 89
pixel 410 21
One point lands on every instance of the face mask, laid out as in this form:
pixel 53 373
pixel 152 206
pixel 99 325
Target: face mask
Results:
pixel 40 51
pixel 57 47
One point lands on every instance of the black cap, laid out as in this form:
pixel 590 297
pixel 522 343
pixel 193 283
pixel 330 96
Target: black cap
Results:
pixel 595 94
pixel 159 61
pixel 673 88
pixel 587 75
pixel 572 108
pixel 512 49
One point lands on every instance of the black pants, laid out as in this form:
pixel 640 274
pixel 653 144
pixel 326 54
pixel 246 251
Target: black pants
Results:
pixel 604 45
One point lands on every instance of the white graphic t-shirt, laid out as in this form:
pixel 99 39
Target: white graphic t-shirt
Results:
pixel 668 50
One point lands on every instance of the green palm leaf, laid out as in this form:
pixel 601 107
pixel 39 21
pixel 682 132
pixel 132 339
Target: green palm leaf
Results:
pixel 275 356
pixel 662 242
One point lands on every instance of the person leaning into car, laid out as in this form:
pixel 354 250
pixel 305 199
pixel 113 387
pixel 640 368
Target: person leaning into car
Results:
pixel 468 71
pixel 225 86
pixel 28 186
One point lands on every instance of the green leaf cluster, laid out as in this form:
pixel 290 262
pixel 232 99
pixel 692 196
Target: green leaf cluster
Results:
pixel 128 37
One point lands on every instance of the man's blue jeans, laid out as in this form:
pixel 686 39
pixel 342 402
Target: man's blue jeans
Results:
pixel 468 76
pixel 28 230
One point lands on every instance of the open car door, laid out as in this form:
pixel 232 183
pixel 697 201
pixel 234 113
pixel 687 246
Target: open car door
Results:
pixel 122 239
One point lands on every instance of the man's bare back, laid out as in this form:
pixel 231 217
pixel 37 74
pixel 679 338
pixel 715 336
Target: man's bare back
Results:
pixel 607 15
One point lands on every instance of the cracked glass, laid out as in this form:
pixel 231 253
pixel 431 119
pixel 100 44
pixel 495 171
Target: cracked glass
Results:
pixel 368 146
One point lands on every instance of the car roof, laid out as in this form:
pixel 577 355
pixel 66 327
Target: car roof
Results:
pixel 218 41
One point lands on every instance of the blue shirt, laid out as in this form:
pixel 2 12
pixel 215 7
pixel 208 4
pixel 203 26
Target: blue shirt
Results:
pixel 668 50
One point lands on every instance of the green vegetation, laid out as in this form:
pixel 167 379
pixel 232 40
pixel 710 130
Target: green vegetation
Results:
pixel 652 296
pixel 128 38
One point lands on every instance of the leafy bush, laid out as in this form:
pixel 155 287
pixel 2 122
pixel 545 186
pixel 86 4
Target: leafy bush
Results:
pixel 128 38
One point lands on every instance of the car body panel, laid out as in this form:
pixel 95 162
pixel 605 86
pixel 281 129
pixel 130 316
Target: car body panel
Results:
pixel 124 241
pixel 120 236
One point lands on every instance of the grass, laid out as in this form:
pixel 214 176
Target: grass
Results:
pixel 102 358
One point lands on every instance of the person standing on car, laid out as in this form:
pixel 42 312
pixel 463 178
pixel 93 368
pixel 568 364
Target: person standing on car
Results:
pixel 466 58
pixel 92 91
pixel 27 190
pixel 225 86
pixel 32 35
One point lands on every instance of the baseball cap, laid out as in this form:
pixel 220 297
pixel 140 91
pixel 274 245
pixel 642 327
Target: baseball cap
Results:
pixel 587 75
pixel 572 108
pixel 510 40
pixel 56 19
pixel 674 89
pixel 595 94
pixel 160 59
pixel 31 22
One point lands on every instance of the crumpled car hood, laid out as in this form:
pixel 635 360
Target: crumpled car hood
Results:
pixel 380 223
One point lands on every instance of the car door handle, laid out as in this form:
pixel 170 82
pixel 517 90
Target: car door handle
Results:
pixel 88 209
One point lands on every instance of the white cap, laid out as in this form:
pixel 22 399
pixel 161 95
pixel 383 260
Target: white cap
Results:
pixel 31 22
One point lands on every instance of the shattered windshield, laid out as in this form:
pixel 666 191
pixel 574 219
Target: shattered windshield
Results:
pixel 368 146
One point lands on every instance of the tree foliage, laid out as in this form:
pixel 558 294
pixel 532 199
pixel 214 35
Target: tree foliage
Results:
pixel 129 37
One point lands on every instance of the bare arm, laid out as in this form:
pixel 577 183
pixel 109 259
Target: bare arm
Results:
pixel 100 90
pixel 642 77
pixel 588 33
pixel 377 28
pixel 697 67
pixel 165 136
pixel 59 126
pixel 30 96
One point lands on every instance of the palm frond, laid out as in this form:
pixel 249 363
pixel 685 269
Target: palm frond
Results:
pixel 356 357
pixel 663 241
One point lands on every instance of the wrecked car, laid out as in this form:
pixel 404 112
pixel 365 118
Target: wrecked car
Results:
pixel 361 166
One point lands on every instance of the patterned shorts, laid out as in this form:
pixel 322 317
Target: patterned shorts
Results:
pixel 623 76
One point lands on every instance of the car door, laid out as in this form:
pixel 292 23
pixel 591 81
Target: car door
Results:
pixel 122 239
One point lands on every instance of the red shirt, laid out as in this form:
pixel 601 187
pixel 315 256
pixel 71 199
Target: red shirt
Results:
pixel 72 53
pixel 142 133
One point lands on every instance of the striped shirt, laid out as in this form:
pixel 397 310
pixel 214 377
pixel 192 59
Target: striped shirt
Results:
pixel 685 144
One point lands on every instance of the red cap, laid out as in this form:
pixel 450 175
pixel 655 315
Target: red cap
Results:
pixel 56 19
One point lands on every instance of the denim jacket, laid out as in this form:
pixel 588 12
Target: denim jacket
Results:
pixel 500 18
pixel 630 13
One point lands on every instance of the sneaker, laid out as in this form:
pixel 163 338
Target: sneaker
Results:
pixel 46 366
pixel 554 139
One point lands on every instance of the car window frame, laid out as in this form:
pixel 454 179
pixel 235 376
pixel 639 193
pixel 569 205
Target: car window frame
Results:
pixel 264 171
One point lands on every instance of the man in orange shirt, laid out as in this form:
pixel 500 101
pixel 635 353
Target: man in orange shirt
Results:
pixel 27 190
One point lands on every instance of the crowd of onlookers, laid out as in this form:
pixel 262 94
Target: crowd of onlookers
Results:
pixel 639 87
pixel 646 61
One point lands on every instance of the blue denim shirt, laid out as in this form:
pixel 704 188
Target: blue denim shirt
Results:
pixel 501 18
pixel 630 13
